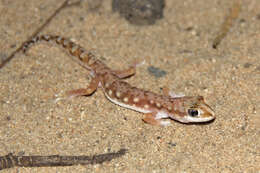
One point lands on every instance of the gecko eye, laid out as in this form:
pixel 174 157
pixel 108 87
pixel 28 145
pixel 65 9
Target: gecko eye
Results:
pixel 193 112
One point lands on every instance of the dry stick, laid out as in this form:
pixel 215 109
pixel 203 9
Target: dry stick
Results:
pixel 225 27
pixel 64 5
pixel 10 160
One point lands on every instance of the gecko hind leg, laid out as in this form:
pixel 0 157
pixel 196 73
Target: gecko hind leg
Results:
pixel 150 118
pixel 122 74
pixel 167 92
pixel 80 92
pixel 130 71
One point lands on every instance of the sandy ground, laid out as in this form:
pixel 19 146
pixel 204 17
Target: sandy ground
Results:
pixel 31 123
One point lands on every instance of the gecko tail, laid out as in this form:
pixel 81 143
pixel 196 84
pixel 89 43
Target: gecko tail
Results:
pixel 72 48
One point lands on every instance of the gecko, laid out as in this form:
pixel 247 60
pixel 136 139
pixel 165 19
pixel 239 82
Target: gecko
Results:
pixel 157 108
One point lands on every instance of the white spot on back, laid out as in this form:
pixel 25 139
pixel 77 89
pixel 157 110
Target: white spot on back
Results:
pixel 158 105
pixel 118 94
pixel 106 85
pixel 146 106
pixel 110 92
pixel 125 99
pixel 136 99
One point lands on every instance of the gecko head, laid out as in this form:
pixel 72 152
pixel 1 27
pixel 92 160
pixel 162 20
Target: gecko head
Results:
pixel 197 110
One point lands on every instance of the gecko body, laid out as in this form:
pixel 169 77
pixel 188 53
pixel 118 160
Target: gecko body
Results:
pixel 186 109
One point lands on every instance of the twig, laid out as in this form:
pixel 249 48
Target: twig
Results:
pixel 10 160
pixel 64 5
pixel 225 27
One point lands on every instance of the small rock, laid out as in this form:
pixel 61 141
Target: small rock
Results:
pixel 139 12
pixel 156 72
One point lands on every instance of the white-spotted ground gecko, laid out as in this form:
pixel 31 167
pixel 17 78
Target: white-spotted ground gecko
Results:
pixel 186 109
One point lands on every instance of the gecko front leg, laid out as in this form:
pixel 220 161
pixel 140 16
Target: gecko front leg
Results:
pixel 155 118
pixel 80 92
pixel 84 91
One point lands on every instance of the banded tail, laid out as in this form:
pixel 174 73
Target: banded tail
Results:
pixel 73 49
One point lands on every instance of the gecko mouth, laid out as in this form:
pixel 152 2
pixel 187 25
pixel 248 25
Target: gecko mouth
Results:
pixel 198 120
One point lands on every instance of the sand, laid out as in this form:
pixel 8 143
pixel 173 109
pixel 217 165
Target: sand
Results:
pixel 180 44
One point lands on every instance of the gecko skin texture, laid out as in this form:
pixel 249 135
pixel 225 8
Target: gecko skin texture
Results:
pixel 185 109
